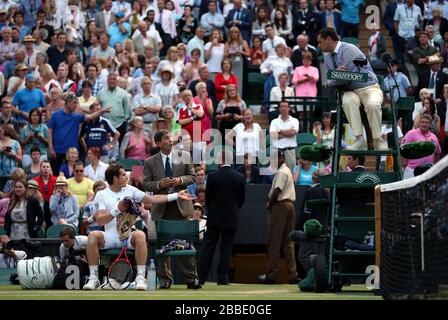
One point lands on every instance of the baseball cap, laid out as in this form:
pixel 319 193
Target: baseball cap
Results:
pixel 31 77
pixel 119 15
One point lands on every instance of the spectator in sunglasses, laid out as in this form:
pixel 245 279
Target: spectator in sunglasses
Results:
pixel 80 186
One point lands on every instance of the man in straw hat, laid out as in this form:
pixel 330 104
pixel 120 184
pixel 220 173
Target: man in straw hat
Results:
pixel 17 82
pixel 434 79
pixel 30 52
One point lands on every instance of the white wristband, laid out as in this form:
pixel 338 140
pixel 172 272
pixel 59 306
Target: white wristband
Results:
pixel 90 220
pixel 172 197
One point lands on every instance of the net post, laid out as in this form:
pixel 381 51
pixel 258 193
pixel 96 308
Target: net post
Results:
pixel 377 225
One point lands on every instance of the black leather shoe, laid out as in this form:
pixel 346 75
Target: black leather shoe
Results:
pixel 194 285
pixel 293 281
pixel 263 279
pixel 165 285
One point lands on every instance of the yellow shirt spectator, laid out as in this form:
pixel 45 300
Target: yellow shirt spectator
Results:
pixel 81 189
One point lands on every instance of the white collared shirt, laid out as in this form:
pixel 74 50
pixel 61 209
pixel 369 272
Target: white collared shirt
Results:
pixel 433 90
pixel 170 156
pixel 279 124
pixel 338 46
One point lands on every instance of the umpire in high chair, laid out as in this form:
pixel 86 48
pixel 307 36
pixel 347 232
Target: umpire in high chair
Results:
pixel 344 56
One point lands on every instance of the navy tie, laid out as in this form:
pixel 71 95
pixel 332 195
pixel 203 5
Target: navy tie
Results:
pixel 168 171
pixel 432 82
pixel 333 58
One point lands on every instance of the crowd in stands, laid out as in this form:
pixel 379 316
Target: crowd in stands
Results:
pixel 88 83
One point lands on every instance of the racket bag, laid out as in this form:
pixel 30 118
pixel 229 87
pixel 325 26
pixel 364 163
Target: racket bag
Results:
pixel 37 273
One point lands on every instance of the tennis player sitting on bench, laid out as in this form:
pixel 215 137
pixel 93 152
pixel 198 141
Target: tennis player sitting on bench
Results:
pixel 108 201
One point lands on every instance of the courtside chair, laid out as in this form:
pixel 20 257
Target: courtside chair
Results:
pixel 54 230
pixel 168 230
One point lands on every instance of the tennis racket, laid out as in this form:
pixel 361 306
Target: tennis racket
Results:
pixel 121 273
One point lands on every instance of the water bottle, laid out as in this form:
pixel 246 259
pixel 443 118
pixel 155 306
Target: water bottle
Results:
pixel 151 277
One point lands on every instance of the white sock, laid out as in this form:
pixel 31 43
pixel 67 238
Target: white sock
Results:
pixel 94 270
pixel 141 270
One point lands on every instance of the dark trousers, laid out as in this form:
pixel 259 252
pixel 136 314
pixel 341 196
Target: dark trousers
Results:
pixel 396 44
pixel 211 239
pixel 281 221
pixel 47 215
pixel 349 30
pixel 56 163
pixel 401 48
pixel 122 129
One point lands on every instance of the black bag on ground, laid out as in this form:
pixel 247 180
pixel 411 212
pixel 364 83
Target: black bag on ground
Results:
pixel 71 270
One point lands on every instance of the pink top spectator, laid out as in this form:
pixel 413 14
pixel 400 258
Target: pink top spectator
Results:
pixel 139 152
pixel 4 203
pixel 309 88
pixel 417 135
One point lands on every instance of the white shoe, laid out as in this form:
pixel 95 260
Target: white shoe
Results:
pixel 359 144
pixel 92 284
pixel 380 145
pixel 110 285
pixel 140 282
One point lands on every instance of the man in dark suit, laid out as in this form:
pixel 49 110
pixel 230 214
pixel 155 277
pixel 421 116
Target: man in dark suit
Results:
pixel 204 76
pixel 240 18
pixel 164 173
pixel 306 21
pixel 224 196
pixel 330 17
pixel 434 80
pixel 204 7
pixel 303 45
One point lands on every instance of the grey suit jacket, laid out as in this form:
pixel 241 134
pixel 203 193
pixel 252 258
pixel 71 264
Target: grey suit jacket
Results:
pixel 154 171
pixel 139 48
pixel 99 20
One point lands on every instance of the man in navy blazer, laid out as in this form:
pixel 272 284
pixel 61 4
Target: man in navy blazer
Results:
pixel 241 18
pixel 327 21
pixel 224 196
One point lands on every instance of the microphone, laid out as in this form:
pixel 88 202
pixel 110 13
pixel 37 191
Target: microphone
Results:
pixel 386 57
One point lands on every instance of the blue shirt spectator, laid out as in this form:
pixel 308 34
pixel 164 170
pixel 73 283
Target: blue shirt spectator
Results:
pixel 408 18
pixel 350 10
pixel 65 127
pixel 28 98
pixel 115 31
pixel 403 84
pixel 304 177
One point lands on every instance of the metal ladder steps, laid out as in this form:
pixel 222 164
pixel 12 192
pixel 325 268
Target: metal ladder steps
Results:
pixel 351 275
pixel 355 219
pixel 353 253
pixel 367 152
